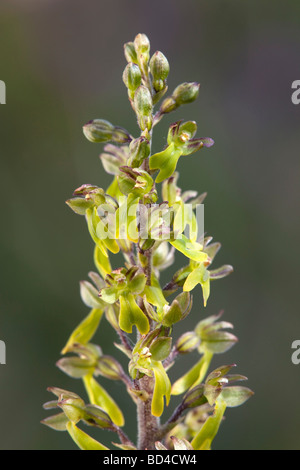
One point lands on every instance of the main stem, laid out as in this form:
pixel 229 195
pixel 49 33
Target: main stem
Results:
pixel 148 424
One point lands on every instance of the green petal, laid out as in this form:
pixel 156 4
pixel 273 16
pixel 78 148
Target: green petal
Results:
pixel 79 205
pixel 76 367
pixel 91 215
pixel 204 438
pixel 206 291
pixel 155 296
pixel 99 396
pixel 131 314
pixel 114 190
pixel 83 440
pixel 85 330
pixel 57 422
pixel 235 396
pixel 102 262
pixel 160 348
pixel 126 222
pixel 162 389
pixel 109 294
pixel 89 295
pixel 166 162
pixel 194 376
pixel 190 249
pixel 193 279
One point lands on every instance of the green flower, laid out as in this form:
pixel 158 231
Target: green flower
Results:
pixel 123 286
pixel 147 358
pixel 201 275
pixel 181 142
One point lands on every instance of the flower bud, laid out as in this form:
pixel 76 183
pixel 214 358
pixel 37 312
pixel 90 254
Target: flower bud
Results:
pixel 187 342
pixel 159 67
pixel 186 93
pixel 143 101
pixel 130 52
pixel 142 44
pixel 100 130
pixel 73 408
pixel 110 368
pixel 168 105
pixel 96 416
pixel 132 76
pixel 121 136
pixel 195 397
pixel 76 367
pixel 114 157
pixel 143 105
pixel 139 151
pixel 79 205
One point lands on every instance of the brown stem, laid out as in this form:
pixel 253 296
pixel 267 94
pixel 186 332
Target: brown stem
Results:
pixel 123 437
pixel 148 424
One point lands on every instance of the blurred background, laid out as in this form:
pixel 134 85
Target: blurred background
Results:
pixel 62 63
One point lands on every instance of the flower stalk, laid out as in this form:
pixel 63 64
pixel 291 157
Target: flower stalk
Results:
pixel 148 224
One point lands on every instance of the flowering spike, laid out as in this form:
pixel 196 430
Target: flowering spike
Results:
pixel 129 218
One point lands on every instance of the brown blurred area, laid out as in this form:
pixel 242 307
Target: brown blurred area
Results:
pixel 62 62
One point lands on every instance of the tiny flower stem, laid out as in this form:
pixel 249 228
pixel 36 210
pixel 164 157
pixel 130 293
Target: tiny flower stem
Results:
pixel 171 358
pixel 171 423
pixel 124 439
pixel 124 340
pixel 171 286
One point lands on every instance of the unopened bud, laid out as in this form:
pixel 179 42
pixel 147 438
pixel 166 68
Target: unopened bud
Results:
pixel 76 367
pixel 110 368
pixel 99 130
pixel 79 205
pixel 73 408
pixel 132 76
pixel 186 93
pixel 143 101
pixel 195 397
pixel 96 416
pixel 159 67
pixel 187 342
pixel 130 52
pixel 168 105
pixel 121 136
pixel 143 105
pixel 139 151
pixel 141 44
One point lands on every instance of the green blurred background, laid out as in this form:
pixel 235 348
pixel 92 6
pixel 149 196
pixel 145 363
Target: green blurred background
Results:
pixel 62 62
